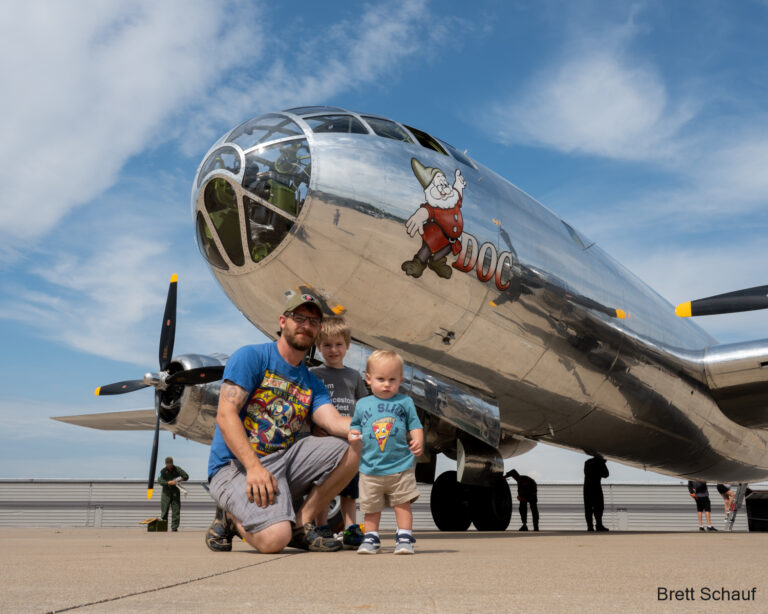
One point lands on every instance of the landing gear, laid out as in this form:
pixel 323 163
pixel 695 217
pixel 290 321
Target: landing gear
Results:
pixel 455 506
pixel 448 504
pixel 491 507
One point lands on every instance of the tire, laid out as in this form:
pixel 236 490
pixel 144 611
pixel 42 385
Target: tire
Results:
pixel 448 504
pixel 491 507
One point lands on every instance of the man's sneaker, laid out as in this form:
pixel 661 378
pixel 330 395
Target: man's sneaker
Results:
pixel 370 544
pixel 523 528
pixel 404 543
pixel 219 535
pixel 702 529
pixel 353 537
pixel 711 528
pixel 308 538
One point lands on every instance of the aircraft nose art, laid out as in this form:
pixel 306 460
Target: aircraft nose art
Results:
pixel 249 192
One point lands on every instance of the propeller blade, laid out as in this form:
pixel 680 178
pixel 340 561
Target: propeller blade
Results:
pixel 120 387
pixel 191 377
pixel 168 331
pixel 153 459
pixel 731 302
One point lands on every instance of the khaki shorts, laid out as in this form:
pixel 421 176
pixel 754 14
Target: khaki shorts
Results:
pixel 380 491
pixel 305 464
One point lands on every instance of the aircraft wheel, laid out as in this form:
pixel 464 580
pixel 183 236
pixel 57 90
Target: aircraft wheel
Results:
pixel 491 507
pixel 448 503
pixel 335 517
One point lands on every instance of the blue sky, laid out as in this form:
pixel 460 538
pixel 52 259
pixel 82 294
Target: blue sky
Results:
pixel 643 124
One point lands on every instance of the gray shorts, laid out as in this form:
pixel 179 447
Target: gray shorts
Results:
pixel 297 470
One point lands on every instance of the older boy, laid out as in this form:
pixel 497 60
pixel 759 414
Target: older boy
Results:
pixel 346 387
pixel 383 421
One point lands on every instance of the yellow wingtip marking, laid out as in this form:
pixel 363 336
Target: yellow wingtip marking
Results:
pixel 684 310
pixel 174 278
pixel 149 493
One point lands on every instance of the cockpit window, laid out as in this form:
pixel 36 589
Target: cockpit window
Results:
pixel 278 174
pixel 309 110
pixel 387 129
pixel 427 141
pixel 262 129
pixel 336 123
pixel 225 158
pixel 460 156
pixel 207 245
pixel 221 205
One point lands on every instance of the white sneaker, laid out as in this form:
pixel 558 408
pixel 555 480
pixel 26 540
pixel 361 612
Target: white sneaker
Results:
pixel 404 543
pixel 371 544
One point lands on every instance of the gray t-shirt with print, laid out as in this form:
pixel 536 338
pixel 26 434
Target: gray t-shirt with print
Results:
pixel 345 386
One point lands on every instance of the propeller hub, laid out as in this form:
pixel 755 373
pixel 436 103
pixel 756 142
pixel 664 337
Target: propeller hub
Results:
pixel 156 379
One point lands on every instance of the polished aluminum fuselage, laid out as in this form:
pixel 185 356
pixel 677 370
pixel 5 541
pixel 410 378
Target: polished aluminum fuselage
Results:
pixel 536 351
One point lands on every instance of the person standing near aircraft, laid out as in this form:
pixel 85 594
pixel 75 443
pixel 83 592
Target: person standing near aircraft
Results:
pixel 384 421
pixel 170 476
pixel 526 495
pixel 728 496
pixel 700 492
pixel 256 468
pixel 346 387
pixel 595 469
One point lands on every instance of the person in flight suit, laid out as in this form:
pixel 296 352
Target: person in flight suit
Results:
pixel 170 476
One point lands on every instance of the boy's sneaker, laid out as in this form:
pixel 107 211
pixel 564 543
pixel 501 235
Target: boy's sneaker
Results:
pixel 370 544
pixel 711 528
pixel 353 537
pixel 308 538
pixel 404 543
pixel 219 535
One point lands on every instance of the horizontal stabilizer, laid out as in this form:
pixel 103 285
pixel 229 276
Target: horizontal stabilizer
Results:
pixel 131 420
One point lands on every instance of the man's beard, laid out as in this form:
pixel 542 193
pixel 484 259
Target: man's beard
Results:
pixel 447 203
pixel 296 342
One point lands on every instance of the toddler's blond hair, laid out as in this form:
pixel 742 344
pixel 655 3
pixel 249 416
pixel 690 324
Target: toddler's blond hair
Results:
pixel 381 356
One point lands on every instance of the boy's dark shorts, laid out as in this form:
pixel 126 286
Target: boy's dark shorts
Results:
pixel 702 504
pixel 352 490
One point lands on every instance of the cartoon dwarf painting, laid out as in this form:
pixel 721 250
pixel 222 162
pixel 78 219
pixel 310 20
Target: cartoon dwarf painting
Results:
pixel 438 221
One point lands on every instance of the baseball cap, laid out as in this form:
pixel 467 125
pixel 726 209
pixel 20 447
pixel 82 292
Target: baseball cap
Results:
pixel 297 300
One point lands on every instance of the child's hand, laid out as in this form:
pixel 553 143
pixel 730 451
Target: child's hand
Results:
pixel 355 437
pixel 416 447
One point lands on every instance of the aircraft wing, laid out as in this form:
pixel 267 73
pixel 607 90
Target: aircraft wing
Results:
pixel 131 420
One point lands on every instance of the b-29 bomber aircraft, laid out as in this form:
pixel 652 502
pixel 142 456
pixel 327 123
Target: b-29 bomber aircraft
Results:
pixel 515 327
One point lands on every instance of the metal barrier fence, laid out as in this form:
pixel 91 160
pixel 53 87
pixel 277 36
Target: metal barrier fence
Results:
pixel 123 503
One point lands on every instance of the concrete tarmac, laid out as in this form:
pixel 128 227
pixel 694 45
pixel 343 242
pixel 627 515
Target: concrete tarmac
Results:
pixel 131 570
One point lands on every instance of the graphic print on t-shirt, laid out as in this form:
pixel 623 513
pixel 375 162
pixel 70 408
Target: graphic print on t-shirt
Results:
pixel 275 413
pixel 381 429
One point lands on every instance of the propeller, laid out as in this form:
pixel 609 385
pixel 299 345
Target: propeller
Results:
pixel 163 380
pixel 730 302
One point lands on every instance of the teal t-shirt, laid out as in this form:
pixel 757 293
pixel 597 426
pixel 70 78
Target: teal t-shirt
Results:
pixel 384 424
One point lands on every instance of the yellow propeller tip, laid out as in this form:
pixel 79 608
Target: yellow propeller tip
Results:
pixel 149 493
pixel 97 391
pixel 492 304
pixel 174 278
pixel 621 314
pixel 684 310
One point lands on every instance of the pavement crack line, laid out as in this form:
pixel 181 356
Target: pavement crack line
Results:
pixel 167 586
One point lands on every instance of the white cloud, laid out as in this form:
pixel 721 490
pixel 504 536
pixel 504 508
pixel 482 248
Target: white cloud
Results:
pixel 91 84
pixel 599 103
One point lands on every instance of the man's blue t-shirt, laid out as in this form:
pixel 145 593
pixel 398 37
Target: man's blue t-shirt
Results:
pixel 280 397
pixel 384 424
